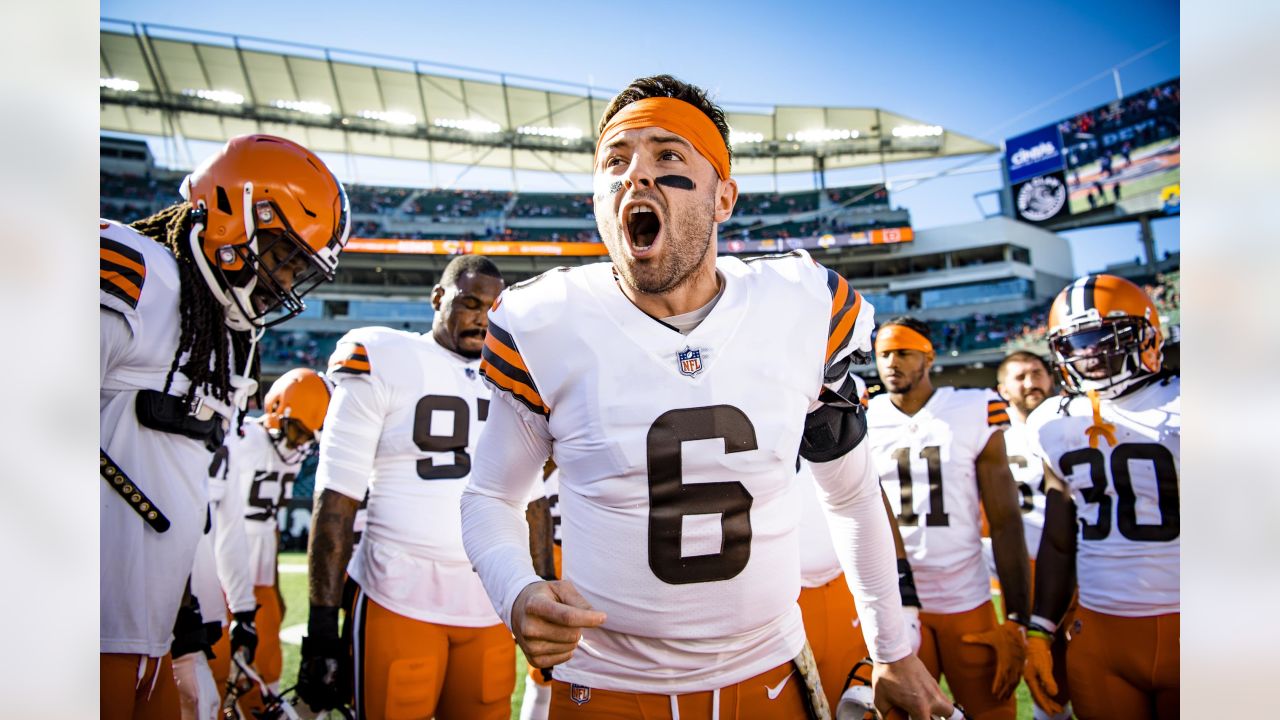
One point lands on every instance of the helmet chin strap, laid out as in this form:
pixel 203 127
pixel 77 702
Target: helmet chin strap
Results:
pixel 233 308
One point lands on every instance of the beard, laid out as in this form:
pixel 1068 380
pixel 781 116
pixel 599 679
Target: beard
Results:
pixel 686 236
pixel 1029 401
pixel 904 383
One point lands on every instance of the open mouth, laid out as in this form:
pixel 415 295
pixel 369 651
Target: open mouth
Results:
pixel 643 226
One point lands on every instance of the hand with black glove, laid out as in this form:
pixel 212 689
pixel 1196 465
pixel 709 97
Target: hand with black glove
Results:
pixel 244 634
pixel 321 681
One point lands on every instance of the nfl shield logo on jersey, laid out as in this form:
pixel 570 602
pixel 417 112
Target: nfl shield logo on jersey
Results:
pixel 690 361
pixel 579 694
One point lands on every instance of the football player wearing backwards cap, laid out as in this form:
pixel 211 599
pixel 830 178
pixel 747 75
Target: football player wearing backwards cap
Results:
pixel 940 456
pixel 672 389
pixel 184 293
pixel 1111 455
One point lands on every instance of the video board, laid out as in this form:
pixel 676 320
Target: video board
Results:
pixel 1126 149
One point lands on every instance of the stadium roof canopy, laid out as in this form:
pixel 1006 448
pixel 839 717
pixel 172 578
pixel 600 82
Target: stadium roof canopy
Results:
pixel 167 81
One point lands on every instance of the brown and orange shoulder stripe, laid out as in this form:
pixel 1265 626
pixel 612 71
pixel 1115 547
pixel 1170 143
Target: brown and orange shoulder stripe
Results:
pixel 122 271
pixel 997 412
pixel 845 305
pixel 350 358
pixel 503 366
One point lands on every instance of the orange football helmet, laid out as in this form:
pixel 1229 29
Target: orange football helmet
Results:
pixel 1104 335
pixel 269 220
pixel 295 406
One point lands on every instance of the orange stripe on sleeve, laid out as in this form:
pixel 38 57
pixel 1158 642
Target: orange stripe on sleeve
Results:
pixel 121 282
pixel 118 259
pixel 492 342
pixel 843 330
pixel 841 294
pixel 516 388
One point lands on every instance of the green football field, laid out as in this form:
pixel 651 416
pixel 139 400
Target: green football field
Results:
pixel 293 585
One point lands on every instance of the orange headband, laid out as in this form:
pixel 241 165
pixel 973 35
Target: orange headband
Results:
pixel 680 118
pixel 901 337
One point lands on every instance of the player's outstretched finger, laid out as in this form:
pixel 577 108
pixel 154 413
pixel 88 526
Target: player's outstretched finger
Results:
pixel 574 611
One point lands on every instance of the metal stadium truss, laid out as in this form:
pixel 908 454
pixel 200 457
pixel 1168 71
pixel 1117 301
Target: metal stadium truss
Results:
pixel 176 82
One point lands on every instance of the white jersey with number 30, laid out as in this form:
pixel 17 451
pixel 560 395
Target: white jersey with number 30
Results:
pixel 926 464
pixel 1126 495
pixel 404 416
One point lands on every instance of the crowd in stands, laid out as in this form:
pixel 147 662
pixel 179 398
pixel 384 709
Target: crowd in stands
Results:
pixel 298 349
pixel 776 203
pixel 859 196
pixel 445 205
pixel 554 234
pixel 128 197
pixel 375 199
pixel 553 205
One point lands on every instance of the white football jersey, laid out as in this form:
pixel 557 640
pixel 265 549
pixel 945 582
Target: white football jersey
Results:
pixel 1028 473
pixel 404 415
pixel 264 480
pixel 142 572
pixel 676 456
pixel 551 491
pixel 1126 495
pixel 819 564
pixel 926 463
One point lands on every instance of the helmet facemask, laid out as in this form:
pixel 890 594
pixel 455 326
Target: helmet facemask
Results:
pixel 1105 356
pixel 249 278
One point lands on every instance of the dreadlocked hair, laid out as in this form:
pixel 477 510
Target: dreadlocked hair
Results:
pixel 204 337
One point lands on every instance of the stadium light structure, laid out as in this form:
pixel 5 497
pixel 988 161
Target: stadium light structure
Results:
pixel 738 137
pixel 222 97
pixel 304 106
pixel 555 132
pixel 478 126
pixel 917 131
pixel 390 117
pixel 118 84
pixel 821 135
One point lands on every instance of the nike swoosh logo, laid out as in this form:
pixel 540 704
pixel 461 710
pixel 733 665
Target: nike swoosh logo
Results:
pixel 774 691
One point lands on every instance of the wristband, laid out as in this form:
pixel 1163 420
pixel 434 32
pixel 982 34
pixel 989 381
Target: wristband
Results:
pixel 907 584
pixel 1042 624
pixel 322 622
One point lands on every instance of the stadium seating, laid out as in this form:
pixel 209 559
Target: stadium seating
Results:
pixel 553 205
pixel 442 204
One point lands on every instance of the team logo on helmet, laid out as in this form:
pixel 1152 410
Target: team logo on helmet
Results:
pixel 1041 198
pixel 690 361
pixel 579 694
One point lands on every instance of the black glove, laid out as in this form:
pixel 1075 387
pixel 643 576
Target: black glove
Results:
pixel 188 630
pixel 244 634
pixel 322 684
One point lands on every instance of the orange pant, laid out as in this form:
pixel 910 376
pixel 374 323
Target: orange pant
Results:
pixel 406 668
pixel 969 669
pixel 123 695
pixel 1123 667
pixel 748 700
pixel 831 623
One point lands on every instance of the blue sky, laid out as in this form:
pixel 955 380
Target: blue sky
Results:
pixel 983 69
